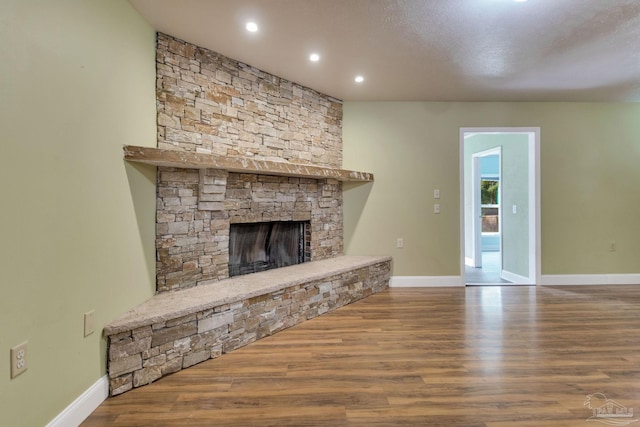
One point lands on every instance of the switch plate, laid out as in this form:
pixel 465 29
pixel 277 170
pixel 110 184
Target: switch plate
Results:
pixel 436 194
pixel 88 322
pixel 400 242
pixel 612 246
pixel 18 359
pixel 436 208
pixel 514 209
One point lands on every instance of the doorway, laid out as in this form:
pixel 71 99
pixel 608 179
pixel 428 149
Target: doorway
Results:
pixel 500 200
pixel 484 263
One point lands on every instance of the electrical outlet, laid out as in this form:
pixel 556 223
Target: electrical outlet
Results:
pixel 88 322
pixel 18 359
pixel 436 208
pixel 400 242
pixel 436 193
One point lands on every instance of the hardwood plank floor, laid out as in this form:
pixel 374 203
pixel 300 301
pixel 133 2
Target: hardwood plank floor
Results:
pixel 475 356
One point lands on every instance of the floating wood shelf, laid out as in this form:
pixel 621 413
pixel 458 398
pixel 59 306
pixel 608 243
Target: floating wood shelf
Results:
pixel 191 160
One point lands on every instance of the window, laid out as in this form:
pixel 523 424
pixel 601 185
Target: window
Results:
pixel 490 204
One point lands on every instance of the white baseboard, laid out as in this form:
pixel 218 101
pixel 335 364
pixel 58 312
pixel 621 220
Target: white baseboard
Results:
pixel 83 406
pixel 468 261
pixel 425 281
pixel 514 278
pixel 590 279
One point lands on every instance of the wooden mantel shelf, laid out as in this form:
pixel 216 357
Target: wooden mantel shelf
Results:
pixel 191 160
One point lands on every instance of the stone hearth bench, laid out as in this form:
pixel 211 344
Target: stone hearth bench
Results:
pixel 175 330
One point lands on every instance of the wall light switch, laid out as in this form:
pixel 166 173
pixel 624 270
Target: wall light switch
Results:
pixel 436 194
pixel 88 322
pixel 514 209
pixel 436 208
pixel 400 242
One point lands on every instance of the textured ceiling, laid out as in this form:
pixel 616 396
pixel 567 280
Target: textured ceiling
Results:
pixel 425 50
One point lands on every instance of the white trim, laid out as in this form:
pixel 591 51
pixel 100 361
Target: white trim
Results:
pixel 476 173
pixel 590 279
pixel 468 261
pixel 425 281
pixel 514 278
pixel 535 224
pixel 535 233
pixel 471 284
pixel 462 235
pixel 476 212
pixel 83 406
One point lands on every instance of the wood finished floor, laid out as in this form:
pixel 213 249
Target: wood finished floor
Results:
pixel 475 356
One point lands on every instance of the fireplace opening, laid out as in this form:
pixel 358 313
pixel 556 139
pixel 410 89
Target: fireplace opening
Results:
pixel 261 246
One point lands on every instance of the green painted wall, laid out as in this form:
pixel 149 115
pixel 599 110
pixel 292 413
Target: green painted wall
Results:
pixel 514 182
pixel 77 222
pixel 78 82
pixel 515 191
pixel 590 182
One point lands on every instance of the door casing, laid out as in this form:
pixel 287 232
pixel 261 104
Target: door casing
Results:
pixel 533 134
pixel 476 172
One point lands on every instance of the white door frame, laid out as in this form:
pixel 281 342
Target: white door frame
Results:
pixel 476 197
pixel 534 196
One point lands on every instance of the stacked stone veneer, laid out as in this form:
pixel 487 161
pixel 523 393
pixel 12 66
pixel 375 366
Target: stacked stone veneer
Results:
pixel 212 104
pixel 196 207
pixel 209 102
pixel 144 353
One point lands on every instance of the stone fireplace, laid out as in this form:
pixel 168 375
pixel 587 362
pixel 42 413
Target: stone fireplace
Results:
pixel 210 104
pixel 196 208
pixel 238 149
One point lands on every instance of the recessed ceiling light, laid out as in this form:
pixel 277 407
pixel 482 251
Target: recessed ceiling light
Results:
pixel 359 79
pixel 520 1
pixel 252 27
pixel 314 57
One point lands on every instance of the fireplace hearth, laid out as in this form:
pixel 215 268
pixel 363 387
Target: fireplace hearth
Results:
pixel 238 148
